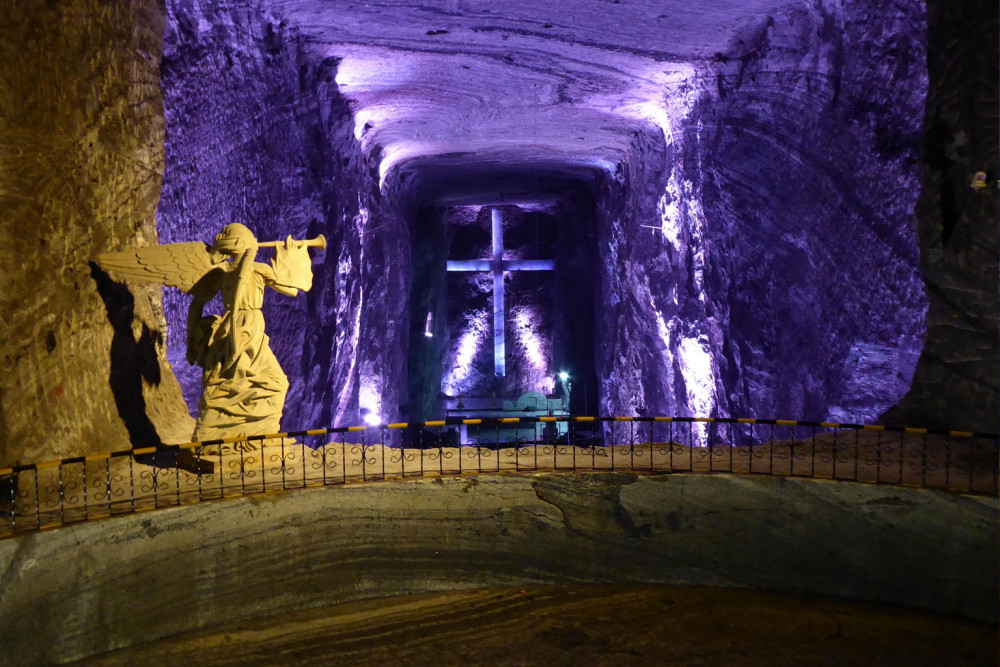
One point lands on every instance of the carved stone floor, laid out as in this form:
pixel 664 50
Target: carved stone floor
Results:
pixel 584 625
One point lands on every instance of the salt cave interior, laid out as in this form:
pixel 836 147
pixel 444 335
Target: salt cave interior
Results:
pixel 755 208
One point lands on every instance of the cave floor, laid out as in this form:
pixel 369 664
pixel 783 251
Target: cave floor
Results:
pixel 584 625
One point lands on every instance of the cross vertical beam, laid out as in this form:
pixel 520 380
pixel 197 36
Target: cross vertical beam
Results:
pixel 499 344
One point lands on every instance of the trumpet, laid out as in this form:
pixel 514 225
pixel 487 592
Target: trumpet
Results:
pixel 318 242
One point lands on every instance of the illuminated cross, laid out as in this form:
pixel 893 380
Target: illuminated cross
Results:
pixel 497 265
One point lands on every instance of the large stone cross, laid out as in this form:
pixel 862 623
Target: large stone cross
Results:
pixel 497 265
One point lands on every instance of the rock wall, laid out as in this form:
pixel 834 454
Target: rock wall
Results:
pixel 769 246
pixel 81 160
pixel 257 133
pixel 781 275
pixel 811 149
pixel 957 382
pixel 635 365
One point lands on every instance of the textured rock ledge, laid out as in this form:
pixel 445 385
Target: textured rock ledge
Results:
pixel 91 588
pixel 81 158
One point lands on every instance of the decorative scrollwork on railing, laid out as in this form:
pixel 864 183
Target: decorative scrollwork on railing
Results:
pixel 841 453
pixel 26 501
pixel 553 451
pixel 719 451
pixel 69 495
pixel 59 494
pixel 246 467
pixel 365 454
pixel 825 451
pixel 105 489
pixel 53 495
pixel 887 456
pixel 868 454
pixel 798 450
pixel 202 480
pixel 283 459
pixel 781 451
pixel 932 461
pixel 664 449
pixel 400 455
pixel 324 460
pixel 151 481
pixel 440 453
pixel 508 453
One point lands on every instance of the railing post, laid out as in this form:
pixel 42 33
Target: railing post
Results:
pixel 14 481
pixel 243 463
pixel 902 461
pixel 670 442
pixel 812 472
pixel 222 474
pixel 836 454
pixel 177 476
pixel 343 455
pixel 83 477
pixel 878 457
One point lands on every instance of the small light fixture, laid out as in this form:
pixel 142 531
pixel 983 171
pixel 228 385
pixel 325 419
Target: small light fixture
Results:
pixel 429 325
pixel 563 376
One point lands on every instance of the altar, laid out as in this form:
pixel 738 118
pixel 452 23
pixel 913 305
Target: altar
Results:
pixel 529 404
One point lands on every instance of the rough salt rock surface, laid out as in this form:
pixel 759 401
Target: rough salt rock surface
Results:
pixel 748 195
pixel 81 156
pixel 253 138
pixel 956 377
pixel 750 176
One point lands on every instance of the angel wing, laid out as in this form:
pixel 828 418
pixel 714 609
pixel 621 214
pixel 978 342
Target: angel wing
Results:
pixel 178 265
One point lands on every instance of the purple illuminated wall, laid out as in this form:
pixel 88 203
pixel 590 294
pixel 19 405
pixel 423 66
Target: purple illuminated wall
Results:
pixel 754 252
pixel 783 276
pixel 258 133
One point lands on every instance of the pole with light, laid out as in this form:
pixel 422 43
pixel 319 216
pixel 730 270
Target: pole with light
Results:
pixel 567 387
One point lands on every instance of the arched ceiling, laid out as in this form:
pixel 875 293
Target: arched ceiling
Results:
pixel 469 100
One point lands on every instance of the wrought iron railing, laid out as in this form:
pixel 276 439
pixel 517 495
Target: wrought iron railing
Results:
pixel 44 495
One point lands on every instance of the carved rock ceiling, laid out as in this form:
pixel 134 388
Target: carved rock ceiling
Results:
pixel 552 87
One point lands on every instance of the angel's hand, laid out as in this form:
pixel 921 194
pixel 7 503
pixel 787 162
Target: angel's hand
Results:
pixel 291 243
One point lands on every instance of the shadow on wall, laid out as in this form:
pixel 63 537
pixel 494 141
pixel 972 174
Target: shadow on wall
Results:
pixel 132 361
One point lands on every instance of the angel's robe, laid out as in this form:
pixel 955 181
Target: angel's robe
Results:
pixel 243 386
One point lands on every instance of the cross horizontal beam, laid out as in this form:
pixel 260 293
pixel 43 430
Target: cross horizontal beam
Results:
pixel 505 265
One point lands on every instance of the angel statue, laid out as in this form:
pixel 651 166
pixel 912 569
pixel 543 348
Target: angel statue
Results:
pixel 243 386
